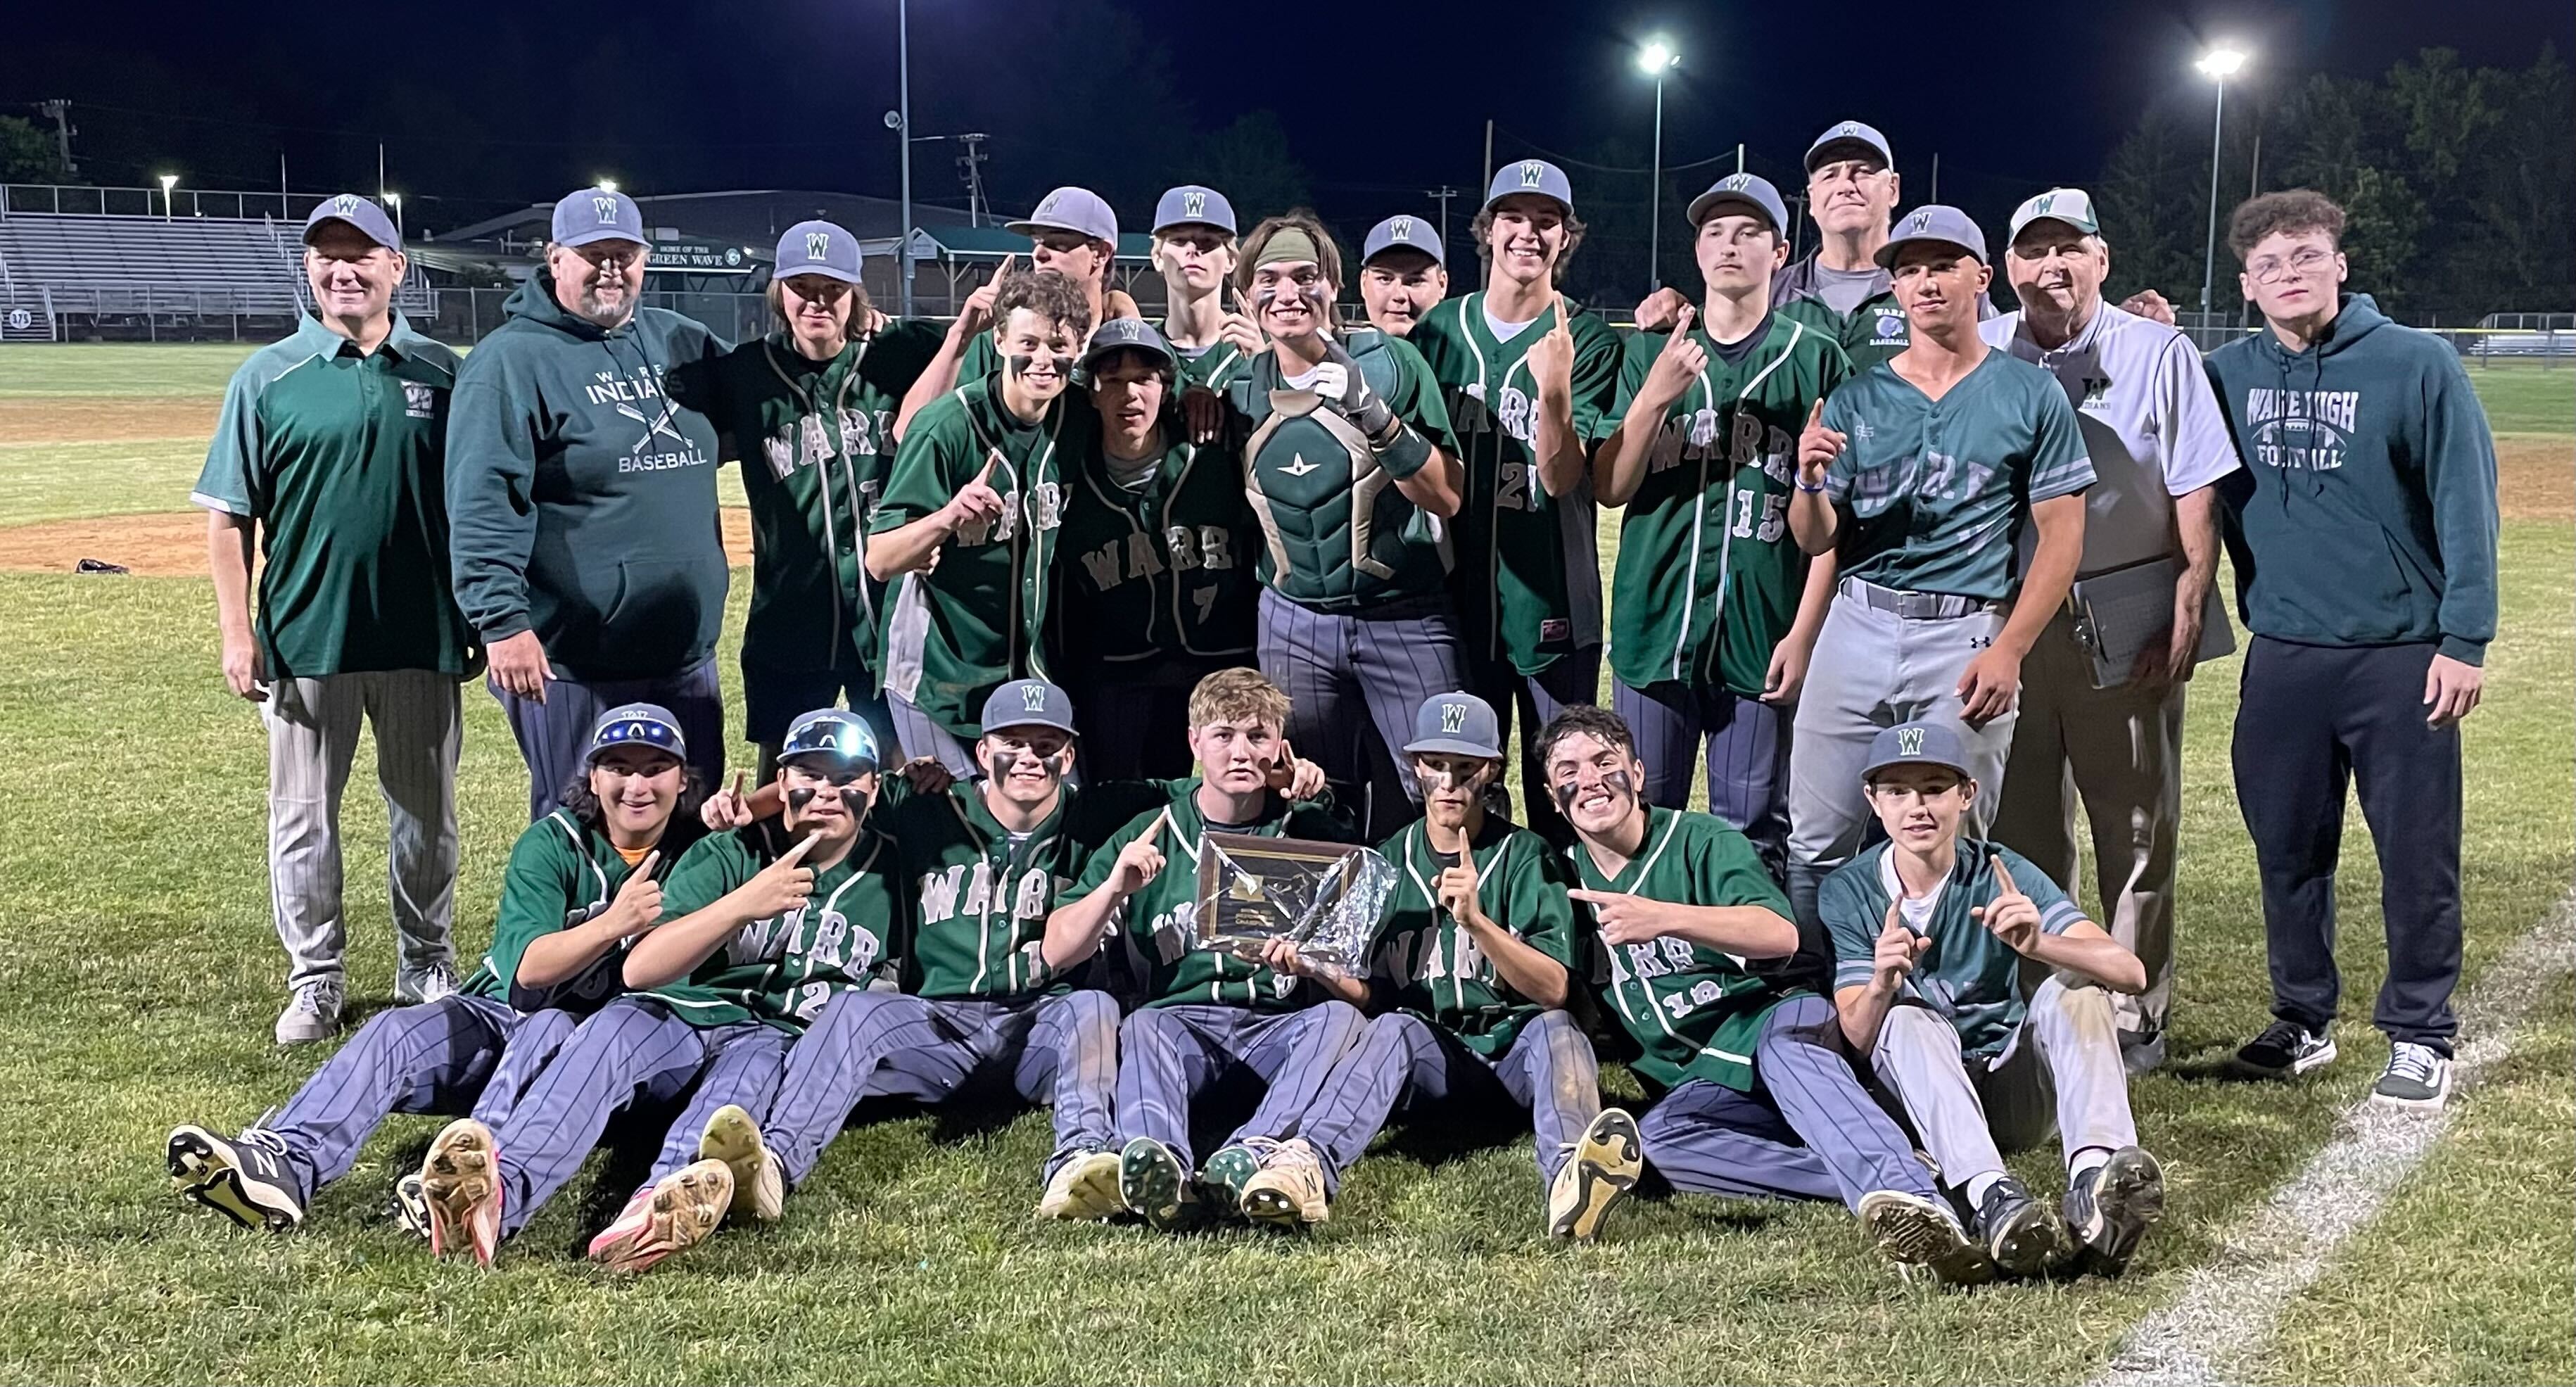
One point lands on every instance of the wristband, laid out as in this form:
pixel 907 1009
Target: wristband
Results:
pixel 1404 454
pixel 1801 484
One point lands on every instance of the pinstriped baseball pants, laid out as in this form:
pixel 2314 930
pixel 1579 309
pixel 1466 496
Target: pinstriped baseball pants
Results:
pixel 1403 1061
pixel 313 727
pixel 1169 1057
pixel 1812 1132
pixel 1346 672
pixel 1748 756
pixel 1060 1050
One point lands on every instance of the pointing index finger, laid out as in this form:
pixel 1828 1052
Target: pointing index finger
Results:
pixel 796 854
pixel 1816 414
pixel 2003 874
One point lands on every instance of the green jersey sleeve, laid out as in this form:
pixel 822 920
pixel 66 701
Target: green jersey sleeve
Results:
pixel 1598 377
pixel 230 481
pixel 1416 397
pixel 2057 914
pixel 928 465
pixel 1537 907
pixel 1853 909
pixel 712 868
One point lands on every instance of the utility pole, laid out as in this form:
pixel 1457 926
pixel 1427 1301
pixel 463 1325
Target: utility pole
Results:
pixel 903 104
pixel 1489 152
pixel 61 111
pixel 1444 192
pixel 970 167
pixel 1739 156
pixel 1936 175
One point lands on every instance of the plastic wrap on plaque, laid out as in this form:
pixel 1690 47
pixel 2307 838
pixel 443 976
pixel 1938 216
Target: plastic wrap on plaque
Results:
pixel 1323 896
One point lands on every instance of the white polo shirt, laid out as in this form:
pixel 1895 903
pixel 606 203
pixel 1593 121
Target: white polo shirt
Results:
pixel 2150 422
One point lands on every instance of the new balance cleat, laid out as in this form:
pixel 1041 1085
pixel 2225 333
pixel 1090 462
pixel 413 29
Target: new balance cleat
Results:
pixel 678 1212
pixel 2019 1234
pixel 1604 1167
pixel 1085 1188
pixel 2284 1050
pixel 460 1181
pixel 2110 1207
pixel 246 1179
pixel 1288 1191
pixel 1153 1184
pixel 411 1206
pixel 1916 1232
pixel 760 1190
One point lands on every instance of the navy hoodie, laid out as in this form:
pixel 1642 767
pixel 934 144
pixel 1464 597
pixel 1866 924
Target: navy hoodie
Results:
pixel 2366 510
pixel 581 498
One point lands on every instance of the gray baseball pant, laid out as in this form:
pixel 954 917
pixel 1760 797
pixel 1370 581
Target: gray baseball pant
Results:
pixel 554 736
pixel 1345 672
pixel 457 1054
pixel 1060 1050
pixel 1405 1063
pixel 2062 1072
pixel 1884 658
pixel 313 727
pixel 919 735
pixel 1169 1057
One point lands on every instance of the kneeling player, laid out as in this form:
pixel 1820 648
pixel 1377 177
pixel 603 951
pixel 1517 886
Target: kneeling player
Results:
pixel 761 926
pixel 1210 1020
pixel 1470 973
pixel 1931 930
pixel 580 886
pixel 1705 977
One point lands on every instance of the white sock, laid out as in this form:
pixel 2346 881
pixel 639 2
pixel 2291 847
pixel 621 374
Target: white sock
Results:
pixel 1979 1184
pixel 2090 1158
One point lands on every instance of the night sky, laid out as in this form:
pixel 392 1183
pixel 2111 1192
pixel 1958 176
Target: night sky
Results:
pixel 513 104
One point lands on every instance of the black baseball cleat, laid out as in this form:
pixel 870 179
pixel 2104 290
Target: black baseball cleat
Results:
pixel 245 1179
pixel 2020 1235
pixel 411 1206
pixel 2286 1049
pixel 2110 1207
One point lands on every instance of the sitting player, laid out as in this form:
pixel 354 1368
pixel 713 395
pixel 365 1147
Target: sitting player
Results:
pixel 761 926
pixel 1470 976
pixel 1931 930
pixel 1705 976
pixel 1209 1018
pixel 579 888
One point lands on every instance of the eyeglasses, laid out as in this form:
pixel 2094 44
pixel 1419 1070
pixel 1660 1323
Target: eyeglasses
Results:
pixel 2301 263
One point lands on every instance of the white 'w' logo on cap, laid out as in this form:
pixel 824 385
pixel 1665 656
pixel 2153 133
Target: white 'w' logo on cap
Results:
pixel 817 244
pixel 1048 206
pixel 1909 741
pixel 1921 221
pixel 606 207
pixel 1033 698
pixel 1193 204
pixel 1400 229
pixel 345 203
pixel 1453 717
pixel 2039 205
pixel 1850 127
pixel 1736 182
pixel 1531 172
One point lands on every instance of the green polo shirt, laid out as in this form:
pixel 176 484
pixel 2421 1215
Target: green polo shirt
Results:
pixel 341 458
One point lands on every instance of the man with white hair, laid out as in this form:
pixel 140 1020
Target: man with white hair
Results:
pixel 2159 445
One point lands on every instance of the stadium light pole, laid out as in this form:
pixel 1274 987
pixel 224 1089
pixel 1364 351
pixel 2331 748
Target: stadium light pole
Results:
pixel 395 199
pixel 903 104
pixel 2218 64
pixel 1656 59
pixel 168 181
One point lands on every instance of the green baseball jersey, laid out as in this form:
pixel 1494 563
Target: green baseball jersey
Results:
pixel 1214 367
pixel 1968 975
pixel 1157 568
pixel 1424 962
pixel 1872 332
pixel 782 970
pixel 1160 922
pixel 562 873
pixel 816 439
pixel 1709 576
pixel 1695 1012
pixel 341 458
pixel 976 620
pixel 1935 493
pixel 1528 571
pixel 1337 534
pixel 980 898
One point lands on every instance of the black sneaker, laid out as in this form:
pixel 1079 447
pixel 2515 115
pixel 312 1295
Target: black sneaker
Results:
pixel 2418 1076
pixel 2286 1048
pixel 246 1179
pixel 2020 1235
pixel 2110 1207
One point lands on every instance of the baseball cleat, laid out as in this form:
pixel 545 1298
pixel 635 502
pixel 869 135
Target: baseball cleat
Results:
pixel 413 986
pixel 2110 1207
pixel 2020 1234
pixel 1916 1232
pixel 676 1213
pixel 2418 1076
pixel 2284 1050
pixel 1288 1191
pixel 1152 1183
pixel 1604 1167
pixel 460 1181
pixel 1224 1177
pixel 245 1179
pixel 1085 1187
pixel 312 1013
pixel 411 1206
pixel 733 1138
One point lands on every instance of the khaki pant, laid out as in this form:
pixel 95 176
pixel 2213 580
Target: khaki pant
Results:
pixel 2119 751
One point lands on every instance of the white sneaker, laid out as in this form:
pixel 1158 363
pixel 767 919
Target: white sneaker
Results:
pixel 2418 1076
pixel 414 986
pixel 313 1013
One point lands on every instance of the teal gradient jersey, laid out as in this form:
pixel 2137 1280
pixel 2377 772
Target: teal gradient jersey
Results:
pixel 1970 977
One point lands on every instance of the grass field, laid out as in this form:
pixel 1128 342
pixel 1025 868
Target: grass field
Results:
pixel 136 952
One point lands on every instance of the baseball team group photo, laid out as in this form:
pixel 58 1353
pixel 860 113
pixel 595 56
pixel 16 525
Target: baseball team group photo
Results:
pixel 1711 765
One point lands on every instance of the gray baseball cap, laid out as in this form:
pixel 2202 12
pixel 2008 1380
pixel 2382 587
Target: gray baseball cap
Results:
pixel 1129 335
pixel 1403 233
pixel 597 214
pixel 1537 177
pixel 1934 222
pixel 1193 205
pixel 1740 192
pixel 2073 206
pixel 360 212
pixel 1071 209
pixel 1459 723
pixel 636 724
pixel 818 248
pixel 831 733
pixel 1849 137
pixel 1917 744
pixel 1028 703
